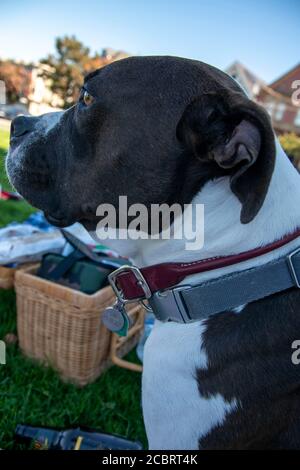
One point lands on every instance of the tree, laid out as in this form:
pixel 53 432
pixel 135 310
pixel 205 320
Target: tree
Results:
pixel 67 67
pixel 17 79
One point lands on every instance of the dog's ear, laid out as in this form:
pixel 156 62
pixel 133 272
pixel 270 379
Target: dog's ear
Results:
pixel 237 135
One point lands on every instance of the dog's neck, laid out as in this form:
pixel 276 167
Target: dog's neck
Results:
pixel 223 232
pixel 181 349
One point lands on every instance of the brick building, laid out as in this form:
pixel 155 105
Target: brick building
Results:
pixel 281 98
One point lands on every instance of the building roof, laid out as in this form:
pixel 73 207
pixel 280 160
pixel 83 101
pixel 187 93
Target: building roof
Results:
pixel 245 77
pixel 292 71
pixel 284 83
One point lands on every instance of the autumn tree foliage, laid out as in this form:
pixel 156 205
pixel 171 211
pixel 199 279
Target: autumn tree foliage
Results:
pixel 17 79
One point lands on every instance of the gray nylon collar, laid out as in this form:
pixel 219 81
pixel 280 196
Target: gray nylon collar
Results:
pixel 186 303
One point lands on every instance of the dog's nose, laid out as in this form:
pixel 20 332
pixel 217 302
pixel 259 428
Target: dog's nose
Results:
pixel 20 125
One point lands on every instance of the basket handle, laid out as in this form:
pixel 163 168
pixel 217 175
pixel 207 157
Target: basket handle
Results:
pixel 117 342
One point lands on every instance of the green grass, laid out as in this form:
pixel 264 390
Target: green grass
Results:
pixel 35 395
pixel 9 210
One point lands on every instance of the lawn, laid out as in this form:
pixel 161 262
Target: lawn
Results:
pixel 35 395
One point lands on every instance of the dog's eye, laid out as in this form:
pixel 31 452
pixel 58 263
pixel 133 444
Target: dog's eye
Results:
pixel 87 98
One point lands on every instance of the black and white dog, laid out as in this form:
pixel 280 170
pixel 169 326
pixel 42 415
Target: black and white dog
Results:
pixel 166 129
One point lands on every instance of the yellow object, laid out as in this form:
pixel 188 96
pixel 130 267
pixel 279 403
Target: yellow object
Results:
pixel 78 443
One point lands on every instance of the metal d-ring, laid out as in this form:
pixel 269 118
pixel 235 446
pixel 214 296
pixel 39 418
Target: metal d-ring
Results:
pixel 146 306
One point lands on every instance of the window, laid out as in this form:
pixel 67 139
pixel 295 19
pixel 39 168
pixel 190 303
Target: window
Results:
pixel 270 107
pixel 280 109
pixel 255 89
pixel 297 119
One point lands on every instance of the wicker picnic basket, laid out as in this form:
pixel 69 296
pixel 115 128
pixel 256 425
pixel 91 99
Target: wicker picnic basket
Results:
pixel 7 277
pixel 62 327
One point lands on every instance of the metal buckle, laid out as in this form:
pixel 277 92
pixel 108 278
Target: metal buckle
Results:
pixel 169 306
pixel 141 281
pixel 291 266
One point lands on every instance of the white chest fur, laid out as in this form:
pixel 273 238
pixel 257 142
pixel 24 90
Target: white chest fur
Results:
pixel 175 414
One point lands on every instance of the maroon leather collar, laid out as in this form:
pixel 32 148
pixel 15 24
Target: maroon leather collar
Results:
pixel 166 275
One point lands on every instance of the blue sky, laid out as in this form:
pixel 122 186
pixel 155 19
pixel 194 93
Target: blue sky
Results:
pixel 262 34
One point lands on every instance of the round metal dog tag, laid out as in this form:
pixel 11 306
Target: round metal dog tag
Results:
pixel 113 319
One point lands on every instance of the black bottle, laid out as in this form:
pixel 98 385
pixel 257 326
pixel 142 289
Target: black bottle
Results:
pixel 73 439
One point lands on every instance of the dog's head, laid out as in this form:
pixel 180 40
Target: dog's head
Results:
pixel 153 128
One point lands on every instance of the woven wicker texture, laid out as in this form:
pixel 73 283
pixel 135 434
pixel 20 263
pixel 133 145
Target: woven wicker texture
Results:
pixel 6 277
pixel 62 327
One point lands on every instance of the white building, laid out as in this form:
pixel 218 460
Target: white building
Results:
pixel 41 99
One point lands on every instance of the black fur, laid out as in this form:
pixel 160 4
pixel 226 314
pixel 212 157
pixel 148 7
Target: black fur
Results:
pixel 249 360
pixel 208 125
pixel 133 141
pixel 155 132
